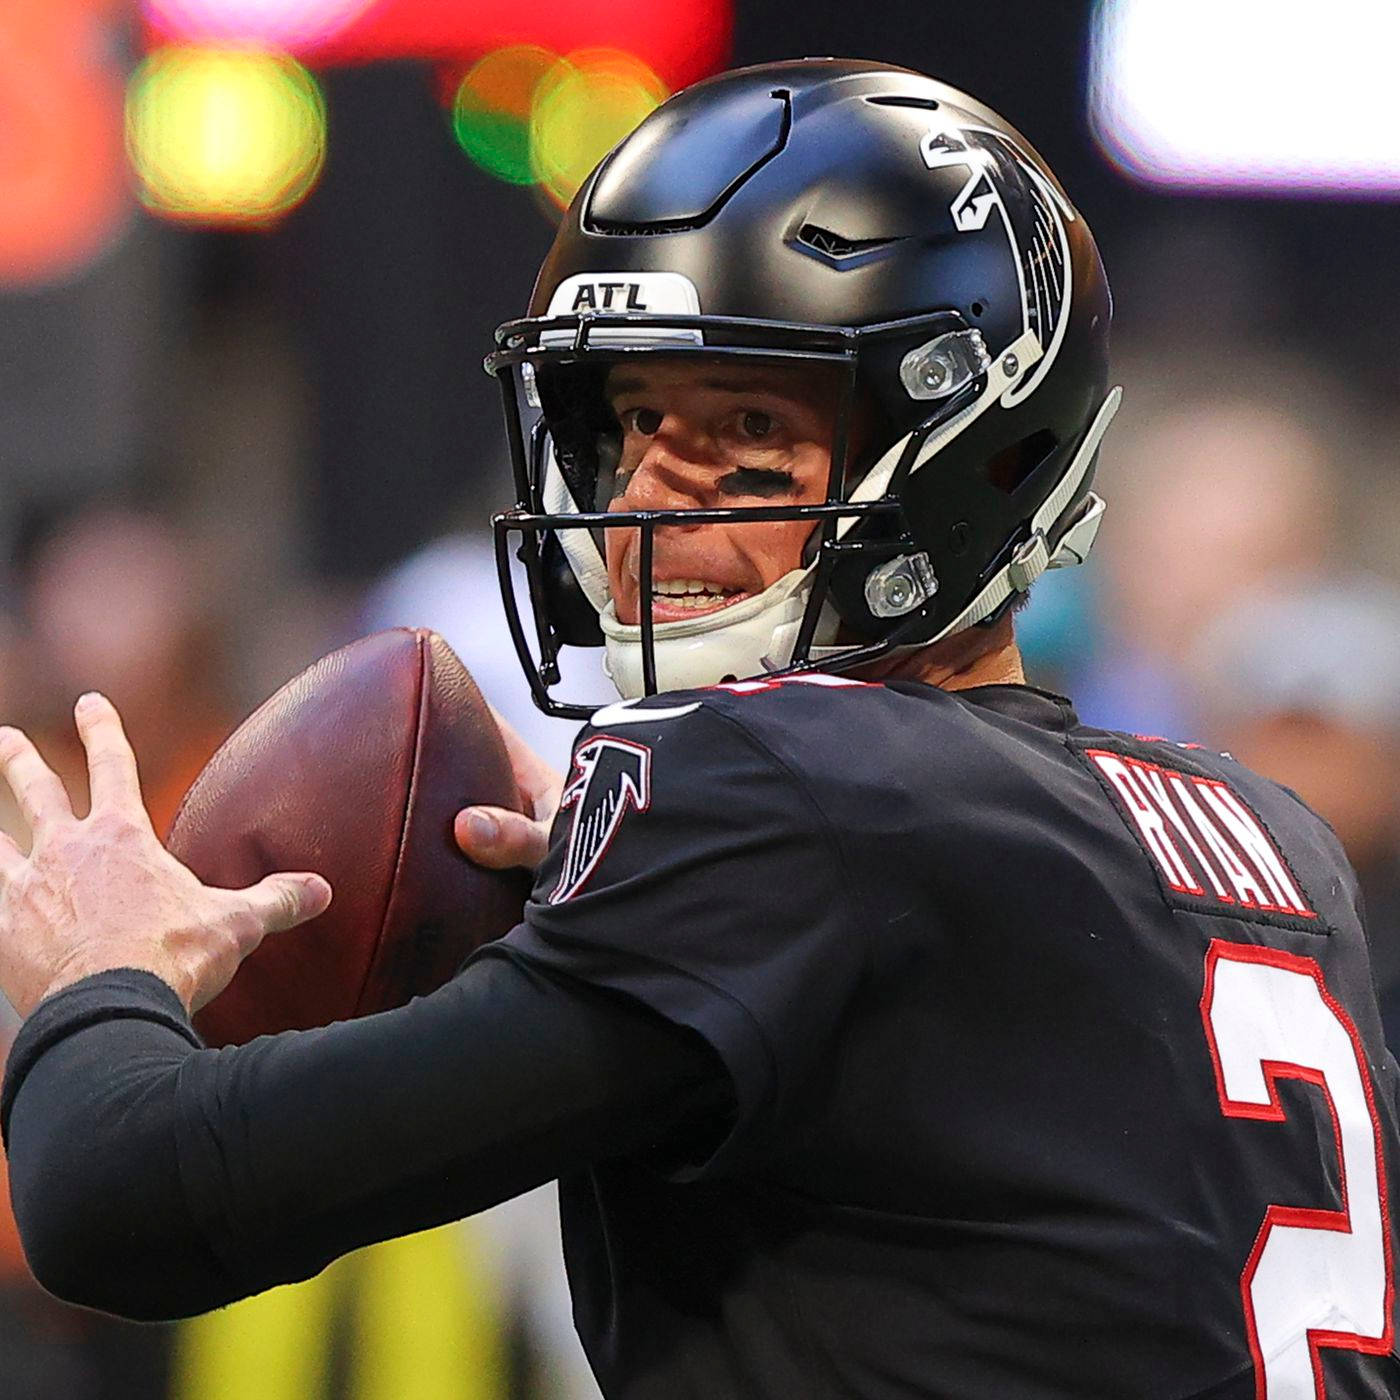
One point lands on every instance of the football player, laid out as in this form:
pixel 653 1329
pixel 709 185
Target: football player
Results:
pixel 892 1032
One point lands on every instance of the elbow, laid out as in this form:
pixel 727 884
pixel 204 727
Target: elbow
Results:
pixel 67 1256
pixel 66 1265
pixel 62 1270
pixel 58 1251
pixel 82 1250
pixel 49 1225
pixel 94 1176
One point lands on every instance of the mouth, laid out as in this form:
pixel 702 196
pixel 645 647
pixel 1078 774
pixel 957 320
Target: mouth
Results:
pixel 682 599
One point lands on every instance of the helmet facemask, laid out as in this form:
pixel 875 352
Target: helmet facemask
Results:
pixel 565 451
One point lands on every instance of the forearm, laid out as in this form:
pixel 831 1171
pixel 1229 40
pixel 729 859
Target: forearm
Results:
pixel 157 1179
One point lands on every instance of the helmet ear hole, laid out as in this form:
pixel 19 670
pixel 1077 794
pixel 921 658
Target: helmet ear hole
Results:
pixel 574 618
pixel 1010 468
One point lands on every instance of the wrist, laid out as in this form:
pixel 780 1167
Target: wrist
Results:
pixel 79 970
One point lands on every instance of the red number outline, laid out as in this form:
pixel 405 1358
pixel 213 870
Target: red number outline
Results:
pixel 1309 1219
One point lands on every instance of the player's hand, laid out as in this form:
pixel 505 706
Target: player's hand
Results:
pixel 103 893
pixel 499 838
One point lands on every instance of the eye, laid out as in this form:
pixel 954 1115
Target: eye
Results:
pixel 645 420
pixel 756 424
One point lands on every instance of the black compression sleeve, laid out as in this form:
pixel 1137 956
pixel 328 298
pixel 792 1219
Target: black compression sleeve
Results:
pixel 155 1179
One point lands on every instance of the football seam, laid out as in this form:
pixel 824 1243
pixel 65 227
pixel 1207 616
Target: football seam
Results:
pixel 410 791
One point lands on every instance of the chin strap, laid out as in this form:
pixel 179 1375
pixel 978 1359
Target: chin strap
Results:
pixel 584 556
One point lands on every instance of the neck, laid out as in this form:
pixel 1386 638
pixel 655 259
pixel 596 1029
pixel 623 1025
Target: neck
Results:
pixel 969 658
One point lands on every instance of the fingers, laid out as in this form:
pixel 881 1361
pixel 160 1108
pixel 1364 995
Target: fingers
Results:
pixel 38 792
pixel 111 763
pixel 11 857
pixel 537 781
pixel 500 839
pixel 283 901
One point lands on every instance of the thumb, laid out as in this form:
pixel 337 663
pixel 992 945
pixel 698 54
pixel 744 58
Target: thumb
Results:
pixel 499 838
pixel 285 900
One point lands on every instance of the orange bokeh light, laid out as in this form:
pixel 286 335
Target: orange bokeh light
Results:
pixel 63 193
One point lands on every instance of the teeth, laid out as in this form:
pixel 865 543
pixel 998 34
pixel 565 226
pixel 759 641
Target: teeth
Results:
pixel 679 587
pixel 694 601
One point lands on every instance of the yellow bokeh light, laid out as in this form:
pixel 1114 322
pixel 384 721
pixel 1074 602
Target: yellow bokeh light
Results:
pixel 224 135
pixel 582 108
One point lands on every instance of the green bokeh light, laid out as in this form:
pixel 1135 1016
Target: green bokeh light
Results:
pixel 491 110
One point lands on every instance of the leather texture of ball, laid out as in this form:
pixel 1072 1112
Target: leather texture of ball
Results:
pixel 355 769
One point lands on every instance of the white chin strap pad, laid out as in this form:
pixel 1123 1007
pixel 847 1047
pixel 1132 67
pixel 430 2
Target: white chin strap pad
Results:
pixel 747 638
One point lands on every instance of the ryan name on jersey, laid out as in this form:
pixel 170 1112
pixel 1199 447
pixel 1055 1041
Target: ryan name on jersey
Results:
pixel 1203 838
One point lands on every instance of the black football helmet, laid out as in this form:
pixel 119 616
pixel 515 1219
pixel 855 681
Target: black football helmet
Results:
pixel 824 211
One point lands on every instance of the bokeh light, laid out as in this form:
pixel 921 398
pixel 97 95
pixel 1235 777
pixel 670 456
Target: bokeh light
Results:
pixel 63 188
pixel 491 110
pixel 272 23
pixel 224 135
pixel 1195 94
pixel 582 108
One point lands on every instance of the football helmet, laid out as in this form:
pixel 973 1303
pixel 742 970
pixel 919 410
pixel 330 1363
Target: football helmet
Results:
pixel 821 211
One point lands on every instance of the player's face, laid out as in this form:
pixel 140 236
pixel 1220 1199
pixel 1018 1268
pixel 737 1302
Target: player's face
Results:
pixel 707 435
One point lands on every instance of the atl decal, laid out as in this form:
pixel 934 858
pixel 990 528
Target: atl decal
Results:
pixel 608 775
pixel 1203 839
pixel 609 296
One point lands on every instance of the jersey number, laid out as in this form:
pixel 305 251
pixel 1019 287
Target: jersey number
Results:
pixel 1315 1278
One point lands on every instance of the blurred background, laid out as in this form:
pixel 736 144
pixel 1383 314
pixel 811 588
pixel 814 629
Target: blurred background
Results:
pixel 251 255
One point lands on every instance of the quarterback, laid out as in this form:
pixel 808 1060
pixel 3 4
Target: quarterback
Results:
pixel 891 1032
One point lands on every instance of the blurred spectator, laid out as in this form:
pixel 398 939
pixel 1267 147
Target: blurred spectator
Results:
pixel 117 601
pixel 1207 496
pixel 1302 682
pixel 1211 497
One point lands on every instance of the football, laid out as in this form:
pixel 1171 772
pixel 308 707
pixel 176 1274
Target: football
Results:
pixel 355 769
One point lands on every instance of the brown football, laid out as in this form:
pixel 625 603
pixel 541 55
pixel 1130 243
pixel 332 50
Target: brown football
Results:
pixel 355 769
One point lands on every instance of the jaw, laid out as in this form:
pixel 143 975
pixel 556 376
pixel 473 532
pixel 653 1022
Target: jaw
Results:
pixel 749 637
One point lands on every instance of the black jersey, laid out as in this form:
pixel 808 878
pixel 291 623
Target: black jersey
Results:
pixel 1058 1066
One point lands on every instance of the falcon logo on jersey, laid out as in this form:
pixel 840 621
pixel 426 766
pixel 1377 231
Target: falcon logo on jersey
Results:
pixel 608 775
pixel 1211 852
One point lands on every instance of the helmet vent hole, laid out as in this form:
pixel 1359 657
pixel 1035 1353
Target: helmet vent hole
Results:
pixel 638 230
pixel 926 104
pixel 834 245
pixel 1013 465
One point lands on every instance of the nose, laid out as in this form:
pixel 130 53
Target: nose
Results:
pixel 675 473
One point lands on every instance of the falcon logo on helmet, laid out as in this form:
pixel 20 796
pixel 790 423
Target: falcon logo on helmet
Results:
pixel 775 212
